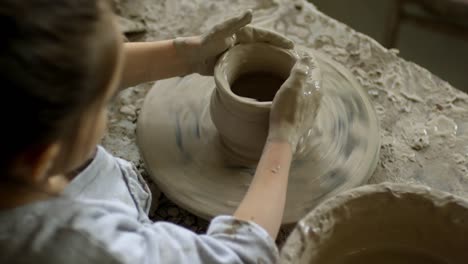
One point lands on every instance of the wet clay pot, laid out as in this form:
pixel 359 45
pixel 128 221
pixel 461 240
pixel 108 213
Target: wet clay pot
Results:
pixel 242 121
pixel 386 223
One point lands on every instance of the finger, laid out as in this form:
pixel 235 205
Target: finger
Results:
pixel 312 86
pixel 301 69
pixel 314 103
pixel 297 80
pixel 232 25
pixel 316 78
pixel 306 59
pixel 250 34
pixel 314 75
pixel 302 77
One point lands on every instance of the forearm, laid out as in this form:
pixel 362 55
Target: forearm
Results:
pixel 150 61
pixel 265 199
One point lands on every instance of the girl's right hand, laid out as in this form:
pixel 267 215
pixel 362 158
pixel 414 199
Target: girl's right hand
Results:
pixel 296 104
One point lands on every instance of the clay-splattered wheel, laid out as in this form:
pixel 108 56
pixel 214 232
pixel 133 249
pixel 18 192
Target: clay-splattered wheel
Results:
pixel 182 152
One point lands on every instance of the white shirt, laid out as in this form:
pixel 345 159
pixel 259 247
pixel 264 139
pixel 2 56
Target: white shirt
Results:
pixel 102 218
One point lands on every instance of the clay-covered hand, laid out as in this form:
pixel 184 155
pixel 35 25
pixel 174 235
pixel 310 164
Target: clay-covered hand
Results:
pixel 296 104
pixel 202 52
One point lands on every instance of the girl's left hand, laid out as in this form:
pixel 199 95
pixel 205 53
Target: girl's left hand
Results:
pixel 202 52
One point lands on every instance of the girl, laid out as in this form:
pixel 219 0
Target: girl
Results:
pixel 64 200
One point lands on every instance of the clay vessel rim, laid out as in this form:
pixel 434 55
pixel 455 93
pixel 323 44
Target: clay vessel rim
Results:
pixel 399 191
pixel 394 189
pixel 333 207
pixel 222 61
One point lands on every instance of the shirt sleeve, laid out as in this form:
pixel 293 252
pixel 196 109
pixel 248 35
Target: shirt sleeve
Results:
pixel 228 240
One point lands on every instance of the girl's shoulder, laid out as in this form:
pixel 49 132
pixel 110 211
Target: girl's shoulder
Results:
pixel 52 230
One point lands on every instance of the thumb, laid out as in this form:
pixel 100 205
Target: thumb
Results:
pixel 300 75
pixel 301 68
pixel 232 25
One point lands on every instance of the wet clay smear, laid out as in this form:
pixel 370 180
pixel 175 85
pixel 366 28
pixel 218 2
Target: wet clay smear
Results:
pixel 261 86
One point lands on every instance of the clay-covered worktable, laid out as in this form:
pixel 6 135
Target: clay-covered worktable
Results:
pixel 423 119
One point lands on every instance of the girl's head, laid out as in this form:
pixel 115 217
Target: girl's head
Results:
pixel 60 63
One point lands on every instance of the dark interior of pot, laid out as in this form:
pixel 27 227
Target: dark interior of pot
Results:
pixel 386 228
pixel 258 71
pixel 261 86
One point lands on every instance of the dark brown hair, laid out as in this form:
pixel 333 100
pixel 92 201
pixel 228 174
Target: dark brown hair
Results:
pixel 56 59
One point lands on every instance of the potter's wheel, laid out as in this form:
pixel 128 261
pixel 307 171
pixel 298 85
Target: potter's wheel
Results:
pixel 182 152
